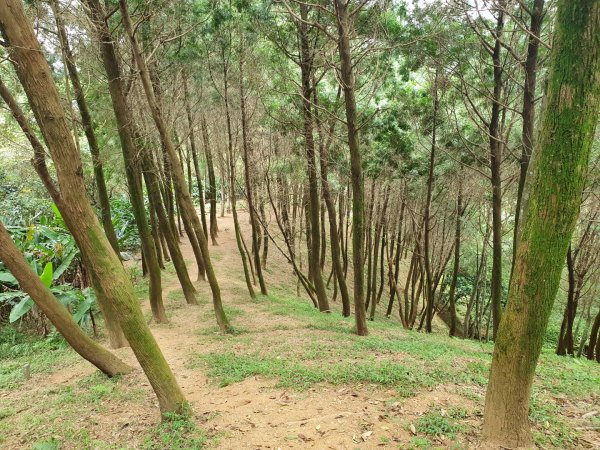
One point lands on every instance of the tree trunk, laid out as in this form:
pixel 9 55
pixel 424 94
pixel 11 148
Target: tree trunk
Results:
pixel 452 293
pixel 314 203
pixel 246 146
pixel 131 152
pixel 427 215
pixel 111 279
pixel 152 185
pixel 358 197
pixel 528 113
pixel 496 178
pixel 594 344
pixel 195 158
pixel 211 188
pixel 554 186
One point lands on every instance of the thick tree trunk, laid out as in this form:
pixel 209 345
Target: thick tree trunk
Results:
pixel 104 360
pixel 111 279
pixel 553 191
pixel 115 333
pixel 185 200
pixel 358 198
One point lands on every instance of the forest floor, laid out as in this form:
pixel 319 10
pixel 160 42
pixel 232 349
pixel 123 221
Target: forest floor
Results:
pixel 289 377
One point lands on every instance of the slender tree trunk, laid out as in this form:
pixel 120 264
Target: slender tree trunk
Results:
pixel 496 178
pixel 152 185
pixel 593 346
pixel 313 203
pixel 246 146
pixel 427 214
pixel 111 279
pixel 528 113
pixel 195 158
pixel 211 188
pixel 452 293
pixel 358 200
pixel 132 170
pixel 553 192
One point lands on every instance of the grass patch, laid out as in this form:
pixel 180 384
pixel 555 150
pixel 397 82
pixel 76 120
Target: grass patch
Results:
pixel 229 368
pixel 42 355
pixel 440 423
pixel 175 433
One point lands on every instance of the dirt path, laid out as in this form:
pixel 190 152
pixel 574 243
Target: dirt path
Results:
pixel 253 413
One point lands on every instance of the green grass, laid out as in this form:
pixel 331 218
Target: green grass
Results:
pixel 18 349
pixel 228 368
pixel 175 433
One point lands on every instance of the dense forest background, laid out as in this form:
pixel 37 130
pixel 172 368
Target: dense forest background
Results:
pixel 369 159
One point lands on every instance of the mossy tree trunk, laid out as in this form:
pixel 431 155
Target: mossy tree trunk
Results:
pixel 114 331
pixel 552 199
pixel 111 279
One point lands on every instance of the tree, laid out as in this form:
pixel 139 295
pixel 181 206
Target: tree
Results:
pixel 111 280
pixel 343 17
pixel 552 198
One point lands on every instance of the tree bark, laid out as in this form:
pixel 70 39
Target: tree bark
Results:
pixel 528 112
pixel 88 128
pixel 185 200
pixel 553 192
pixel 452 293
pixel 133 171
pixel 496 175
pixel 246 147
pixel 211 188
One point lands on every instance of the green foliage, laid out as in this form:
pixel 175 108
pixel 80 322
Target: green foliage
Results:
pixel 124 223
